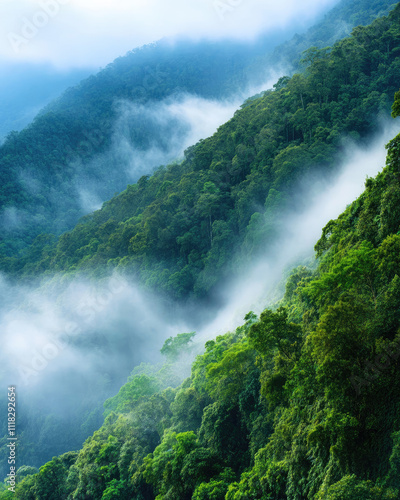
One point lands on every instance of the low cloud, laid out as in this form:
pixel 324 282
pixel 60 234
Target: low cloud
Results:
pixel 110 326
pixel 80 33
pixel 147 136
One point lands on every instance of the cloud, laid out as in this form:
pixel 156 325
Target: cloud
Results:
pixel 143 138
pixel 67 346
pixel 90 33
pixel 91 328
pixel 72 336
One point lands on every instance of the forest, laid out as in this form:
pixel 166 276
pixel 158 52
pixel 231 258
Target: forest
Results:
pixel 175 230
pixel 301 401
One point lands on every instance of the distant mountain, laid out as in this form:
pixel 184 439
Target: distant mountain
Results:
pixel 335 25
pixel 25 89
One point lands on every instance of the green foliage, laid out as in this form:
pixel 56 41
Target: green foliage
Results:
pixel 274 332
pixel 116 490
pixel 228 377
pixel 163 468
pixel 26 470
pixel 139 386
pixel 187 409
pixel 396 105
pixel 178 346
pixel 215 489
pixel 50 481
pixel 349 488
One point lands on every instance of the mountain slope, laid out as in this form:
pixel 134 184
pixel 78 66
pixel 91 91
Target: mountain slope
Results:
pixel 70 143
pixel 302 402
pixel 176 229
pixel 336 25
pixel 251 158
pixel 26 89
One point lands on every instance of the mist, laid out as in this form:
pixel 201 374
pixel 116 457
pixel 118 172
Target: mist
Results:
pixel 67 346
pixel 146 136
pixel 319 200
pixel 92 330
pixel 26 88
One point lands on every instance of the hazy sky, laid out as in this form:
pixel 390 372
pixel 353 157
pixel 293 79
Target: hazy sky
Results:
pixel 70 33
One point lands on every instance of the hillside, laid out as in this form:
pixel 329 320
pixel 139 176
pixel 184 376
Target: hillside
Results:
pixel 334 26
pixel 46 169
pixel 176 230
pixel 302 402
pixel 25 90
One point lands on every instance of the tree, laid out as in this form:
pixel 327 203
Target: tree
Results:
pixel 351 488
pixel 274 332
pixel 174 347
pixel 396 105
pixel 50 482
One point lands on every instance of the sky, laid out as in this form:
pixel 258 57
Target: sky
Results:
pixel 91 33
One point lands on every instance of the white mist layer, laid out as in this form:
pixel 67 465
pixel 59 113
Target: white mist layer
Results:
pixel 65 32
pixel 170 127
pixel 299 234
pixel 185 118
pixel 85 329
